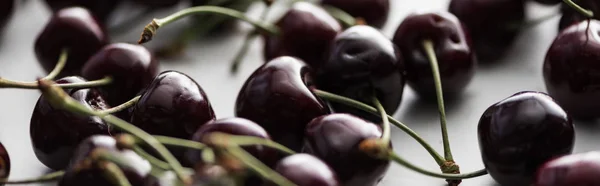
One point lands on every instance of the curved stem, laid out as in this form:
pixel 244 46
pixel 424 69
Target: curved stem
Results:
pixel 238 140
pixel 367 108
pixel 256 165
pixel 345 18
pixel 150 29
pixel 45 178
pixel 385 137
pixel 60 65
pixel 429 50
pixel 394 157
pixel 581 10
pixel 114 173
pixel 121 107
pixel 5 83
pixel 170 141
pixel 153 160
pixel 239 57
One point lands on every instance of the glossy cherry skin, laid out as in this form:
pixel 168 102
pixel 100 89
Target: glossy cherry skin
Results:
pixel 4 162
pixel 520 133
pixel 571 70
pixel 335 138
pixel 374 12
pixel 136 171
pixel 100 9
pixel 305 170
pixel 306 32
pixel 493 24
pixel 74 29
pixel 6 11
pixel 456 59
pixel 132 68
pixel 158 3
pixel 278 97
pixel 571 170
pixel 55 133
pixel 362 61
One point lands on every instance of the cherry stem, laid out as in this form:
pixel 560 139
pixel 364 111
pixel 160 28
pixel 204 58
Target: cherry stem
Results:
pixel 386 136
pixel 114 173
pixel 238 140
pixel 367 108
pixel 153 160
pixel 257 166
pixel 60 65
pixel 177 142
pixel 394 157
pixel 150 29
pixel 340 15
pixel 45 178
pixel 430 51
pixel 60 99
pixel 581 10
pixel 5 83
pixel 239 57
pixel 121 107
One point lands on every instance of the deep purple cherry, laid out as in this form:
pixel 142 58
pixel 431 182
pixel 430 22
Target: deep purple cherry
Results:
pixel 306 32
pixel 452 47
pixel 571 70
pixel 6 11
pixel 132 68
pixel 278 97
pixel 55 133
pixel 492 24
pixel 306 170
pixel 571 170
pixel 374 12
pixel 4 162
pixel 363 63
pixel 100 9
pixel 520 133
pixel 335 139
pixel 74 29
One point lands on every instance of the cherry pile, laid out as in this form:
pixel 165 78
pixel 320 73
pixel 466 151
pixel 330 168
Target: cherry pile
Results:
pixel 316 113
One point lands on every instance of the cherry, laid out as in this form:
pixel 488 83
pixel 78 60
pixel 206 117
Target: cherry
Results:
pixel 570 16
pixel 335 139
pixel 136 169
pixel 306 32
pixel 4 162
pixel 278 97
pixel 374 12
pixel 100 9
pixel 455 57
pixel 493 24
pixel 158 3
pixel 74 29
pixel 571 170
pixel 6 11
pixel 306 170
pixel 362 61
pixel 55 133
pixel 570 69
pixel 520 133
pixel 132 68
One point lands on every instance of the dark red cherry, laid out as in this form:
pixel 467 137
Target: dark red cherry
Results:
pixel 306 170
pixel 100 9
pixel 306 32
pixel 570 16
pixel 520 133
pixel 363 62
pixel 132 68
pixel 74 29
pixel 55 133
pixel 571 170
pixel 374 12
pixel 335 139
pixel 6 11
pixel 452 47
pixel 278 97
pixel 157 3
pixel 136 169
pixel 571 70
pixel 4 162
pixel 492 24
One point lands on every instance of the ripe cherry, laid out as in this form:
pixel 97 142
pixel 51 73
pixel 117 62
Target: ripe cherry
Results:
pixel 571 170
pixel 493 24
pixel 100 9
pixel 4 162
pixel 6 11
pixel 306 170
pixel 452 45
pixel 278 97
pixel 55 133
pixel 335 139
pixel 571 69
pixel 74 29
pixel 362 63
pixel 132 68
pixel 520 133
pixel 306 32
pixel 374 12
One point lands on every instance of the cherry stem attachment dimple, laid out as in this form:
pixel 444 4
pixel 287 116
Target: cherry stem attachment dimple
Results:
pixel 257 166
pixel 60 65
pixel 121 107
pixel 45 178
pixel 394 157
pixel 150 29
pixel 581 10
pixel 238 140
pixel 367 108
pixel 114 173
pixel 386 134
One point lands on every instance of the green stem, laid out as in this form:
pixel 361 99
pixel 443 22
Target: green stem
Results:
pixel 345 18
pixel 45 178
pixel 238 140
pixel 153 160
pixel 581 10
pixel 386 136
pixel 176 142
pixel 429 50
pixel 121 107
pixel 150 29
pixel 258 167
pixel 394 157
pixel 367 108
pixel 114 173
pixel 60 65
pixel 5 83
pixel 239 57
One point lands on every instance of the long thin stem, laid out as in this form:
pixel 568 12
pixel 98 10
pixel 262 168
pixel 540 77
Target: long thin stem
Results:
pixel 170 141
pixel 581 10
pixel 45 178
pixel 114 173
pixel 121 107
pixel 153 160
pixel 386 136
pixel 340 15
pixel 150 29
pixel 239 140
pixel 60 65
pixel 394 157
pixel 239 57
pixel 429 50
pixel 256 165
pixel 367 108
pixel 5 83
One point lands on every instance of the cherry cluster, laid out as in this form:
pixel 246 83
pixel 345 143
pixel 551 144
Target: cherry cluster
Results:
pixel 316 112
